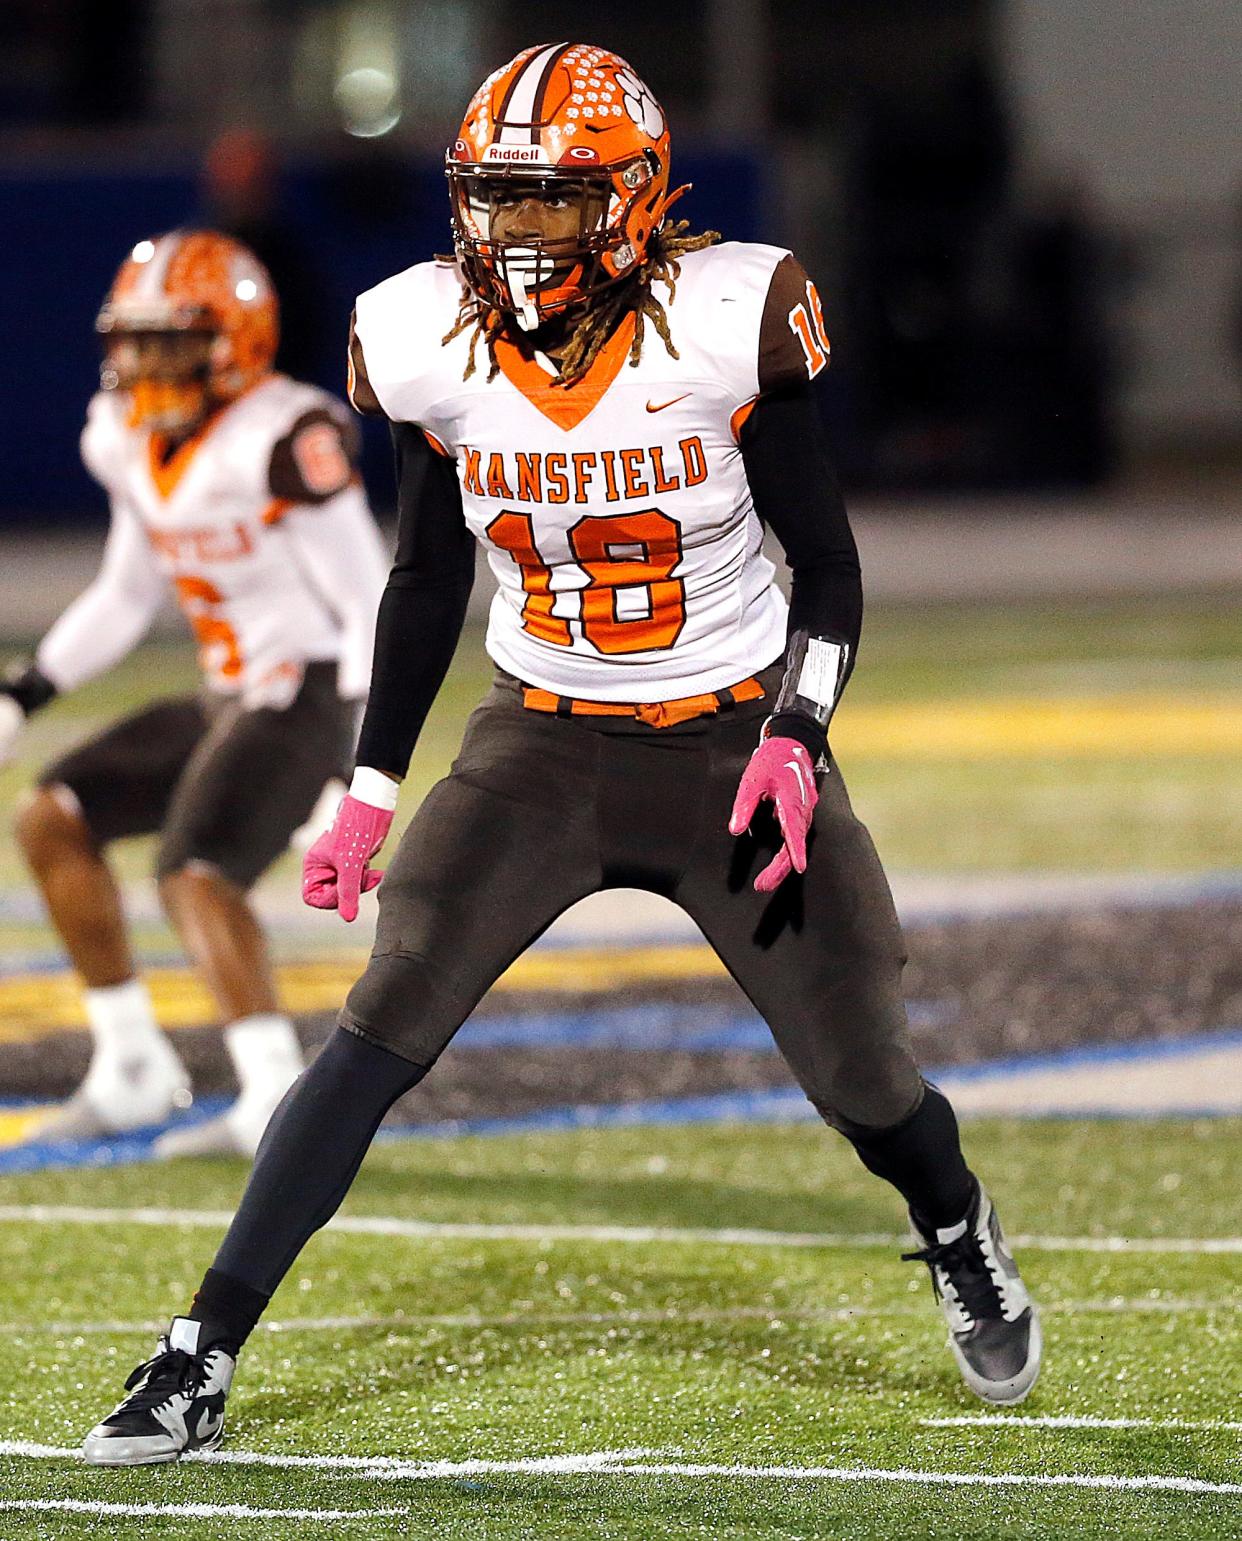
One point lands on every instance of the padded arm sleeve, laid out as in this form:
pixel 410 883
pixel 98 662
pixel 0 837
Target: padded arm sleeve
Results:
pixel 424 603
pixel 796 494
pixel 109 618
pixel 339 548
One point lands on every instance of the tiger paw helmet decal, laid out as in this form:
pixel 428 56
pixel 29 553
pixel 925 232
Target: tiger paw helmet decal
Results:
pixel 640 104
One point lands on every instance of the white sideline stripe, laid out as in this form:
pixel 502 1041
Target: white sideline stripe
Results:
pixel 392 1468
pixel 1055 1421
pixel 1113 1306
pixel 622 1463
pixel 934 1478
pixel 387 1225
pixel 386 1467
pixel 186 1511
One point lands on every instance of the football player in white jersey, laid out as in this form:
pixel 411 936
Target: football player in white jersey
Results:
pixel 235 488
pixel 614 409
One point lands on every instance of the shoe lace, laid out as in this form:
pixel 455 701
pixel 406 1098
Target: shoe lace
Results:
pixel 162 1377
pixel 964 1262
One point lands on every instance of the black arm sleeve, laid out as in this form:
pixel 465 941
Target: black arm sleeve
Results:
pixel 424 603
pixel 797 496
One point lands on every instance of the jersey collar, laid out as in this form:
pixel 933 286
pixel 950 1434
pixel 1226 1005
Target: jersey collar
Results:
pixel 167 473
pixel 566 406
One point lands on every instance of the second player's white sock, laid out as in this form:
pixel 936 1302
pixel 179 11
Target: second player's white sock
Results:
pixel 121 1017
pixel 135 1076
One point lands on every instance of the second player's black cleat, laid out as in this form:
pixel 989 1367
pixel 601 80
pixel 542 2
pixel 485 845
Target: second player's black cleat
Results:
pixel 993 1323
pixel 176 1403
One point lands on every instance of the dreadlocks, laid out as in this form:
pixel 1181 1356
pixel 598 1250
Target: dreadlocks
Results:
pixel 599 320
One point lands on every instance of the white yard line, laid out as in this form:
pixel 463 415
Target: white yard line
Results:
pixel 387 1225
pixel 933 1478
pixel 394 1469
pixel 624 1463
pixel 186 1511
pixel 1113 1306
pixel 1057 1421
pixel 375 1466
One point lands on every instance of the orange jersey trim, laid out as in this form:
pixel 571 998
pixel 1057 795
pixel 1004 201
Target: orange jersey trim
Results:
pixel 167 473
pixel 566 406
pixel 277 509
pixel 656 714
pixel 436 445
pixel 738 421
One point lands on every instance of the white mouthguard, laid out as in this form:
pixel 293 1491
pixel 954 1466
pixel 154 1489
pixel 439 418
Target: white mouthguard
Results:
pixel 522 265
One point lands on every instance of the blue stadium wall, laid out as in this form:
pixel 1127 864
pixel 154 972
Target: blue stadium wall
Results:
pixel 66 232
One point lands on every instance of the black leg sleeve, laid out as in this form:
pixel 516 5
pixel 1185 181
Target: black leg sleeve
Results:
pixel 309 1156
pixel 922 1158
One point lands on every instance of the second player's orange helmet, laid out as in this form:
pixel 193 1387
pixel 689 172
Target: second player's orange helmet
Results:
pixel 579 116
pixel 192 284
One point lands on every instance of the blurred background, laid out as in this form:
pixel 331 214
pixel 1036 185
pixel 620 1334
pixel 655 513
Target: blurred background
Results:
pixel 1025 216
pixel 1025 219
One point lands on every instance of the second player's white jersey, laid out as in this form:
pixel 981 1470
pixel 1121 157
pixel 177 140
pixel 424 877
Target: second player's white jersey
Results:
pixel 616 516
pixel 259 526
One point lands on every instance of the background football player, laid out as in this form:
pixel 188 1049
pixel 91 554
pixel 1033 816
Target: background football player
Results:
pixel 619 482
pixel 236 486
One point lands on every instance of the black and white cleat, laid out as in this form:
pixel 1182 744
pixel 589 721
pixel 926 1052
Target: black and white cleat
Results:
pixel 176 1403
pixel 993 1322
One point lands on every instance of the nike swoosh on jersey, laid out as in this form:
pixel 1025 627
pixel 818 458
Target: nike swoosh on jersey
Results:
pixel 652 407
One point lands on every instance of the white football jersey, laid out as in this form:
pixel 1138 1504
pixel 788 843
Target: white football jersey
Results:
pixel 260 526
pixel 616 516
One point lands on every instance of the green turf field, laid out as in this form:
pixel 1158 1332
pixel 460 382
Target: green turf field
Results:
pixel 689 1351
pixel 731 1358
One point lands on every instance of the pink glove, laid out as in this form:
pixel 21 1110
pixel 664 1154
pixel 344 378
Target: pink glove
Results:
pixel 335 871
pixel 780 770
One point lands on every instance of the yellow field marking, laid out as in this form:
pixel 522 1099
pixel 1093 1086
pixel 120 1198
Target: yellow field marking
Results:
pixel 600 968
pixel 34 1005
pixel 15 1128
pixel 1151 725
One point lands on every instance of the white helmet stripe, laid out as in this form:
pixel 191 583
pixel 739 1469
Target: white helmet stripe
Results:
pixel 150 285
pixel 519 105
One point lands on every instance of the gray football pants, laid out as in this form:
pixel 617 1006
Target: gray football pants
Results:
pixel 540 811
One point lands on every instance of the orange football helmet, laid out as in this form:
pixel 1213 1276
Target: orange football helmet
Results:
pixel 576 120
pixel 191 321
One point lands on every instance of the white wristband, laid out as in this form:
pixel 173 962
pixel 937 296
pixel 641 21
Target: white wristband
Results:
pixel 374 788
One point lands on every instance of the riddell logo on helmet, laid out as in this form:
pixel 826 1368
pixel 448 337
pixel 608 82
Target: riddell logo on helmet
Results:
pixel 513 152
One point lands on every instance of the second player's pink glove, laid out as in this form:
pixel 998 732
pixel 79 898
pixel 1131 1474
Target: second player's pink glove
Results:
pixel 780 771
pixel 336 870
